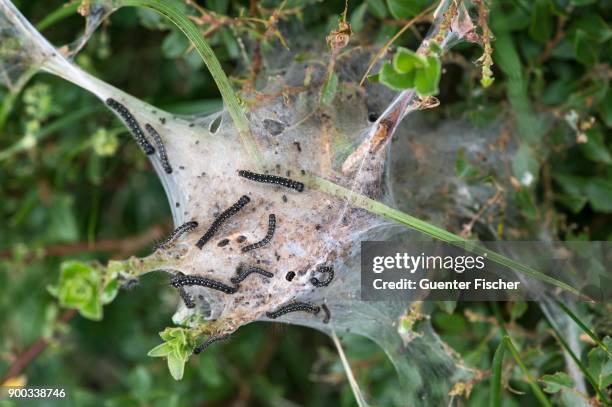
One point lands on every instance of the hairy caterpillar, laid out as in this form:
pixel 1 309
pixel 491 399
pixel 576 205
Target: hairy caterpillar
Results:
pixel 186 298
pixel 160 147
pixel 294 307
pixel 132 125
pixel 228 213
pixel 182 280
pixel 242 274
pixel 290 275
pixel 208 342
pixel 272 179
pixel 330 276
pixel 178 232
pixel 267 238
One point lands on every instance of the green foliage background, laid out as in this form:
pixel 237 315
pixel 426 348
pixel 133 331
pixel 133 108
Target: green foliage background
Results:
pixel 69 179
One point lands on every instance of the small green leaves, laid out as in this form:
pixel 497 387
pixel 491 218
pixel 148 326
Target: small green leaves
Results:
pixel 556 382
pixel 411 70
pixel 600 364
pixel 83 286
pixel 177 348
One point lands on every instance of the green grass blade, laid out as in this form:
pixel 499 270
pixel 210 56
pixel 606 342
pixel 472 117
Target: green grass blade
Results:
pixel 584 328
pixel 170 10
pixel 58 14
pixel 530 380
pixel 433 231
pixel 498 359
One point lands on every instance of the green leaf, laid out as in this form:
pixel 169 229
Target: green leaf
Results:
pixel 599 191
pixel 176 366
pixel 586 51
pixel 397 81
pixel 78 288
pixel 406 60
pixel 110 291
pixel 357 17
pixel 377 8
pixel 427 79
pixel 541 27
pixel 328 91
pixel 554 383
pixel 401 9
pixel 600 364
pixel 161 350
pixel 571 184
pixel 594 27
pixel 605 109
pixel 574 203
pixel 595 149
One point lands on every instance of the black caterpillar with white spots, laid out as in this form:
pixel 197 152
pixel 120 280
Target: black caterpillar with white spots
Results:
pixel 132 125
pixel 210 341
pixel 272 179
pixel 294 307
pixel 330 276
pixel 182 280
pixel 186 298
pixel 163 156
pixel 267 238
pixel 228 213
pixel 176 233
pixel 243 274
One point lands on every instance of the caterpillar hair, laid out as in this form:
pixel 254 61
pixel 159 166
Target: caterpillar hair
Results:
pixel 163 157
pixel 327 314
pixel 272 179
pixel 208 342
pixel 132 125
pixel 178 232
pixel 265 240
pixel 290 275
pixel 294 307
pixel 242 274
pixel 182 280
pixel 186 298
pixel 228 213
pixel 330 276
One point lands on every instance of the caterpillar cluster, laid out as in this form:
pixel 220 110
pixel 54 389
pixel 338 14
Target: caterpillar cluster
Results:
pixel 243 274
pixel 132 125
pixel 182 280
pixel 272 179
pixel 267 238
pixel 163 157
pixel 330 276
pixel 294 307
pixel 178 232
pixel 228 213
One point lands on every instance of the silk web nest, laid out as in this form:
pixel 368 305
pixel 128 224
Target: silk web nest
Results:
pixel 254 241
